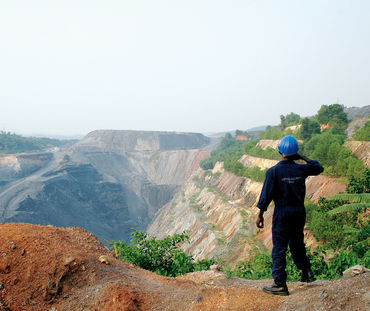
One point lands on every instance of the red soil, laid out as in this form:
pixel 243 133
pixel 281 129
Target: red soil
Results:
pixel 49 268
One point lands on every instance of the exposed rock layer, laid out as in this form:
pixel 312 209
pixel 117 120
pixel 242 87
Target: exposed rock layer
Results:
pixel 361 149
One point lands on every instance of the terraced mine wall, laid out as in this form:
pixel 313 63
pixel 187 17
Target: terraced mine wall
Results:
pixel 107 183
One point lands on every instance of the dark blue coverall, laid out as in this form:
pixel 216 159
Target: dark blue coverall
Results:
pixel 285 185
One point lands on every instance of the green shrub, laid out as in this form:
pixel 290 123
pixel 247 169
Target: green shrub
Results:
pixel 260 266
pixel 257 151
pixel 234 166
pixel 161 256
pixel 337 159
pixel 363 133
pixel 360 184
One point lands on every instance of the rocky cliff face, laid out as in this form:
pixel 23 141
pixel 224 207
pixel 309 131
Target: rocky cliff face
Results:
pixel 107 183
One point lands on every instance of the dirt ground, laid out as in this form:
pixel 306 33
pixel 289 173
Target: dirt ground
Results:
pixel 55 269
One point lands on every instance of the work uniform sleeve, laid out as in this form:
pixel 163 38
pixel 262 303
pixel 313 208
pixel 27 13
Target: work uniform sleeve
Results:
pixel 313 168
pixel 267 191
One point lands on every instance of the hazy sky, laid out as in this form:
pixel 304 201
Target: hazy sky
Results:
pixel 70 67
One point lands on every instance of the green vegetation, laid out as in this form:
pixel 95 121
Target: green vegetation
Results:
pixel 252 149
pixel 327 147
pixel 260 266
pixel 363 133
pixel 275 133
pixel 289 120
pixel 333 115
pixel 12 143
pixel 243 133
pixel 360 184
pixel 230 151
pixel 160 256
pixel 337 159
pixel 234 166
pixel 229 147
pixel 308 128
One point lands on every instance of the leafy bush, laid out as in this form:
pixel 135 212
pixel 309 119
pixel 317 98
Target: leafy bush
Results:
pixel 360 184
pixel 363 133
pixel 257 151
pixel 161 256
pixel 234 166
pixel 337 159
pixel 343 225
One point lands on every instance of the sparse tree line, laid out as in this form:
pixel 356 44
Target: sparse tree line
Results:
pixel 326 146
pixel 13 143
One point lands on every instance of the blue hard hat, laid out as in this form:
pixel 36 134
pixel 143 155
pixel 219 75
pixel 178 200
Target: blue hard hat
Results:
pixel 288 145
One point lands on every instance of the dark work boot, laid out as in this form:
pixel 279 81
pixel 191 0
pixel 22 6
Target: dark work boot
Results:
pixel 278 288
pixel 307 276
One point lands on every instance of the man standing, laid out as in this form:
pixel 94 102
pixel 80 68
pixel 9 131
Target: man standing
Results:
pixel 285 185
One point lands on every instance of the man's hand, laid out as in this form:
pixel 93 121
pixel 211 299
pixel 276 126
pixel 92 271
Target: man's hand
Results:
pixel 308 160
pixel 259 221
pixel 295 157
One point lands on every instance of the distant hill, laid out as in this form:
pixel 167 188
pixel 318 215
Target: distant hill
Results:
pixel 13 143
pixel 357 112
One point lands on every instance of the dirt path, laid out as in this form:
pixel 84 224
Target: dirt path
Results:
pixel 49 268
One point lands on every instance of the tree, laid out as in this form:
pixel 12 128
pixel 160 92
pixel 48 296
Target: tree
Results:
pixel 337 159
pixel 308 128
pixel 289 120
pixel 332 114
pixel 228 136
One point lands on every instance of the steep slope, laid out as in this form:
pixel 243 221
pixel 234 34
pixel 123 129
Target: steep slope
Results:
pixel 107 183
pixel 49 268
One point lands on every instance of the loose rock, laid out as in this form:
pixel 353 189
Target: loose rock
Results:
pixel 104 259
